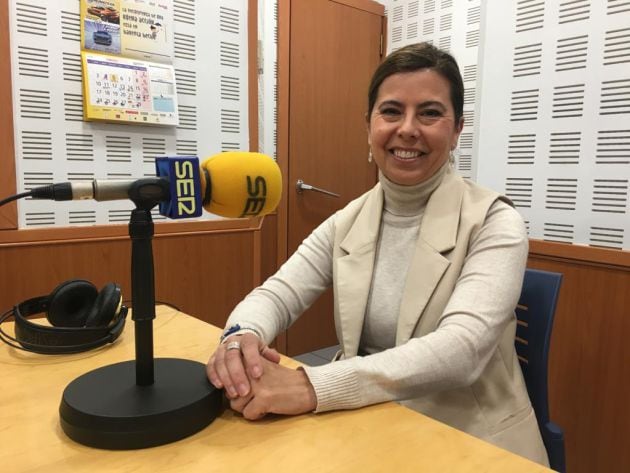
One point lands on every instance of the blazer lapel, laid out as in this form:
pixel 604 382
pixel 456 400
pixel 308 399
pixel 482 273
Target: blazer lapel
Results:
pixel 438 234
pixel 354 271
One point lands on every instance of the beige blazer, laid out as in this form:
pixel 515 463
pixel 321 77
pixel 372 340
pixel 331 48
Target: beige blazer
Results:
pixel 496 406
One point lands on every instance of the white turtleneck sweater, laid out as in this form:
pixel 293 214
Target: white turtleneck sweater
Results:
pixel 451 357
pixel 400 223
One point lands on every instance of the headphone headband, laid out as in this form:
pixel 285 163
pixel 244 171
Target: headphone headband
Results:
pixel 62 340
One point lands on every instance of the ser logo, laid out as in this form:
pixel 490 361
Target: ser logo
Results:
pixel 257 196
pixel 185 188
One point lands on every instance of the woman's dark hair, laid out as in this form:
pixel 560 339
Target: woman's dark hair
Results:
pixel 415 57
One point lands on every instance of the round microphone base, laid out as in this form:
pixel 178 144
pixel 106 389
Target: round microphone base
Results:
pixel 105 408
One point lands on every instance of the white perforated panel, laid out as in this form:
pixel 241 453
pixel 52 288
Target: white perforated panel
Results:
pixel 551 125
pixel 554 129
pixel 53 144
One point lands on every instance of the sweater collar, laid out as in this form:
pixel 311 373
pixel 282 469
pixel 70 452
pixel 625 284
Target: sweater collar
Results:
pixel 411 200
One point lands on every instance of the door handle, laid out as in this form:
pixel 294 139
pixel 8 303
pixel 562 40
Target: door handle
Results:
pixel 301 186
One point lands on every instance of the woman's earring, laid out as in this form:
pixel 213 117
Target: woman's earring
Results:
pixel 453 156
pixel 370 156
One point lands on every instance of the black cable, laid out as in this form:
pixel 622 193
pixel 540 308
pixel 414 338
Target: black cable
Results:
pixel 14 197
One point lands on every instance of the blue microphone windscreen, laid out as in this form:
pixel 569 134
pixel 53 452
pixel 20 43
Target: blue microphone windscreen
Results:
pixel 182 173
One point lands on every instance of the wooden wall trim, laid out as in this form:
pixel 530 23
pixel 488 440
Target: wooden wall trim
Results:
pixel 284 45
pixel 257 260
pixel 282 130
pixel 8 213
pixel 121 232
pixel 585 255
pixel 205 275
pixel 589 385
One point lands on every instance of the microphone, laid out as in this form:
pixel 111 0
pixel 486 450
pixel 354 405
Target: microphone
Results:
pixel 171 398
pixel 234 184
pixel 239 184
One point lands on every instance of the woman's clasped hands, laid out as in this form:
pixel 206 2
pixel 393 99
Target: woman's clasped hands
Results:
pixel 254 381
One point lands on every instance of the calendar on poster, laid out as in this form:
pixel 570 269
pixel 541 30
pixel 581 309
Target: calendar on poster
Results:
pixel 128 90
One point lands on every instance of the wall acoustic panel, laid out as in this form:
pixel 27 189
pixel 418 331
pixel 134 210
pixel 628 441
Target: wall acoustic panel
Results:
pixel 452 25
pixel 54 144
pixel 554 125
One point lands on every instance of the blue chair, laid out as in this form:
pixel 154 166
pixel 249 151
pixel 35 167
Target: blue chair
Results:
pixel 535 312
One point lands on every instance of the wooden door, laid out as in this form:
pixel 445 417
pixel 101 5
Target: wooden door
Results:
pixel 335 46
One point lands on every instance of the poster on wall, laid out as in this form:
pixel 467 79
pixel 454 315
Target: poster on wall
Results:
pixel 118 89
pixel 101 26
pixel 127 55
pixel 141 29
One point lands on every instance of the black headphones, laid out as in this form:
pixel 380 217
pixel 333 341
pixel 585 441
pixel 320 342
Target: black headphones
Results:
pixel 82 318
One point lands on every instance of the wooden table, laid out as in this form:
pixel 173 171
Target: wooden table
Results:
pixel 381 438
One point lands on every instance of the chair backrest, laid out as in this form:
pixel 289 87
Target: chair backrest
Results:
pixel 535 312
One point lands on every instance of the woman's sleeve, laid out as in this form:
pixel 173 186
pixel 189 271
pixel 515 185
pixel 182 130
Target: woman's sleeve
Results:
pixel 275 305
pixel 456 353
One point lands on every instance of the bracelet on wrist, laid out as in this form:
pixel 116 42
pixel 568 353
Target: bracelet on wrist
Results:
pixel 235 329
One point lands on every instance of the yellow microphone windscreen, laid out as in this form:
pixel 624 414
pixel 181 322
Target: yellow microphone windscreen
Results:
pixel 242 184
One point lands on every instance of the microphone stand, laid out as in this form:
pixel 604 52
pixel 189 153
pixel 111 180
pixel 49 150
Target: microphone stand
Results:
pixel 146 402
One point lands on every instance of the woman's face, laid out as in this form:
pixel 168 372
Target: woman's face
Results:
pixel 412 128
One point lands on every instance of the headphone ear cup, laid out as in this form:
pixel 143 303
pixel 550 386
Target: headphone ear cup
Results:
pixel 70 303
pixel 105 306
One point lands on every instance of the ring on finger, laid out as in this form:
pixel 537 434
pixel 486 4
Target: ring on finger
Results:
pixel 235 345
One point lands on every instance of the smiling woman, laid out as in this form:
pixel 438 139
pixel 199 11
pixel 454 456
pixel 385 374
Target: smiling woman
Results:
pixel 412 128
pixel 411 263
